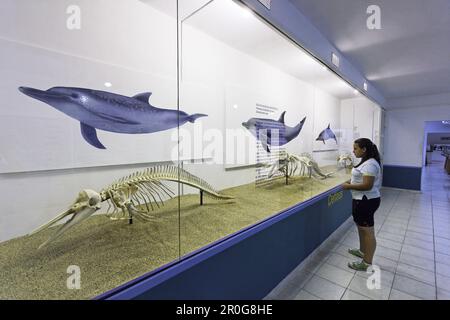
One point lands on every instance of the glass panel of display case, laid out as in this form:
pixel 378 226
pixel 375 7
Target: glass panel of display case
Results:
pixel 136 132
pixel 377 128
pixel 275 125
pixel 89 118
pixel 360 118
pixel 253 113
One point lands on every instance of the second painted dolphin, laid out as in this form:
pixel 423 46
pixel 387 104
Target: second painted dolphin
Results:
pixel 111 112
pixel 266 130
pixel 326 134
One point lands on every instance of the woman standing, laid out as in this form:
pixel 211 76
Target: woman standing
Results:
pixel 365 187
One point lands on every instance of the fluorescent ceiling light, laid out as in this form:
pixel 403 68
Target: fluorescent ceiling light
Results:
pixel 335 59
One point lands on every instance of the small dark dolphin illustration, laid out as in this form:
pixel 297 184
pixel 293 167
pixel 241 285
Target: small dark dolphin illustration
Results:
pixel 110 112
pixel 326 134
pixel 265 131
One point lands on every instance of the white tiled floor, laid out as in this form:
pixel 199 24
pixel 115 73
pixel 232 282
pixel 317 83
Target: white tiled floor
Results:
pixel 413 251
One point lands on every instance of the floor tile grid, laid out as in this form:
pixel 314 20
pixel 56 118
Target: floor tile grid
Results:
pixel 434 255
pixel 435 181
pixel 435 186
pixel 324 261
pixel 387 211
pixel 341 242
pixel 403 275
pixel 336 245
pixel 388 214
pixel 342 239
pixel 402 244
pixel 331 281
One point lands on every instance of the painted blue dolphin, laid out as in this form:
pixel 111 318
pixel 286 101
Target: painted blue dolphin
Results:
pixel 109 111
pixel 326 134
pixel 266 130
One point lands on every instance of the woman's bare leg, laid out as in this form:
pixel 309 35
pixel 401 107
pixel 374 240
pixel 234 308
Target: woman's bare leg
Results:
pixel 361 239
pixel 369 243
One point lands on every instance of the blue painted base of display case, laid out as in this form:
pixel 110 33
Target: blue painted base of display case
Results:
pixel 247 264
pixel 402 177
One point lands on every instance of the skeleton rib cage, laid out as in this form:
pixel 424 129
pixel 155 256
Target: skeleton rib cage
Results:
pixel 146 189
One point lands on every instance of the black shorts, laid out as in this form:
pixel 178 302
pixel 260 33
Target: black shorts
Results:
pixel 363 211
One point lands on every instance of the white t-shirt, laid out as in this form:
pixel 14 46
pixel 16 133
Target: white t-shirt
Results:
pixel 368 168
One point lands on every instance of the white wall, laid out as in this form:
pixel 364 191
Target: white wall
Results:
pixel 404 135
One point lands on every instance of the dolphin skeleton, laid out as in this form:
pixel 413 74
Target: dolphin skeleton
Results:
pixel 273 132
pixel 326 134
pixel 111 112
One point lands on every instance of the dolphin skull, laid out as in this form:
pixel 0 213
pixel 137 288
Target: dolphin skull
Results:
pixel 87 202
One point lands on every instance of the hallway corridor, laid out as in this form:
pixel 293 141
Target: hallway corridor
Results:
pixel 413 251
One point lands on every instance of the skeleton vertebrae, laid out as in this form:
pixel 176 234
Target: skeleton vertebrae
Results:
pixel 145 188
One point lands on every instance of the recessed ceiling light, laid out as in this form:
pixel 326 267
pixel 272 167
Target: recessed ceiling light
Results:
pixel 335 59
pixel 356 92
pixel 108 84
pixel 235 106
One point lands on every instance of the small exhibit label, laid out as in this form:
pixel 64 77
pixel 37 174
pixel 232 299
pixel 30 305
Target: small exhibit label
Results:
pixel 335 197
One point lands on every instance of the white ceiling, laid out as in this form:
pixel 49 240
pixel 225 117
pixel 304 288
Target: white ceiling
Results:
pixel 237 27
pixel 409 56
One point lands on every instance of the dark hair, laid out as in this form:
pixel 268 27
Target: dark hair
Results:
pixel 371 150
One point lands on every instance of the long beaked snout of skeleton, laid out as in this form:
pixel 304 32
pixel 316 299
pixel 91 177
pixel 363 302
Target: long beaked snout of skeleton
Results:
pixel 87 202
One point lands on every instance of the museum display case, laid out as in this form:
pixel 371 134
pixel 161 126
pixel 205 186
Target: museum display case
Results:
pixel 136 133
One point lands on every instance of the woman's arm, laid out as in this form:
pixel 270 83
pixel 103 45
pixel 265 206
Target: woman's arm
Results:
pixel 365 186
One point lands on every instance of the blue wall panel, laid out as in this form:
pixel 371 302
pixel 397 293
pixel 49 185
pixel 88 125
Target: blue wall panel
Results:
pixel 402 177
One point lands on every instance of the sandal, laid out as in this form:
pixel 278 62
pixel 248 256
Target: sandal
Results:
pixel 359 266
pixel 356 252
